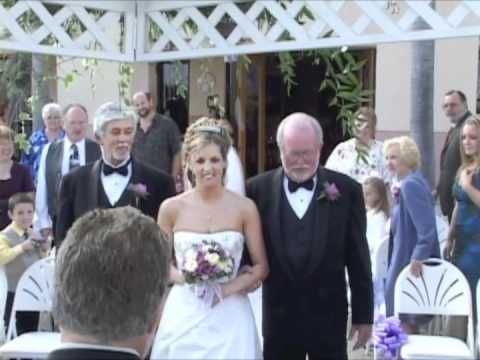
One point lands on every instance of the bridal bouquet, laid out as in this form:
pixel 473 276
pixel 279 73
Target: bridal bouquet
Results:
pixel 204 266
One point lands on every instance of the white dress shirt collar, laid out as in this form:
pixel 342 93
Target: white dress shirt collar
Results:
pixel 299 200
pixel 115 184
pixel 71 345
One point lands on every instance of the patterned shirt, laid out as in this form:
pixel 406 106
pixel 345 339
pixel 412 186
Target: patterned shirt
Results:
pixel 157 147
pixel 345 159
pixel 37 141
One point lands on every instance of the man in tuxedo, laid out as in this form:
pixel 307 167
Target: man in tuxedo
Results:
pixel 59 158
pixel 111 275
pixel 456 110
pixel 314 227
pixel 115 180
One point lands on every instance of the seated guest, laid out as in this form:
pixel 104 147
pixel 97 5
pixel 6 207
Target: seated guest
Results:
pixel 110 279
pixel 18 250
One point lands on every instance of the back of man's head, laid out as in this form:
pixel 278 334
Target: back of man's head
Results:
pixel 111 275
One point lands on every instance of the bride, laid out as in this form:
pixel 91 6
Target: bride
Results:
pixel 211 320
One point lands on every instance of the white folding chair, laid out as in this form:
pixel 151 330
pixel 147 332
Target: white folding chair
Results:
pixel 3 301
pixel 477 291
pixel 33 293
pixel 441 290
pixel 379 269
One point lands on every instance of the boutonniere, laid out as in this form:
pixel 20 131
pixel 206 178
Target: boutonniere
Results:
pixel 396 193
pixel 329 192
pixel 140 191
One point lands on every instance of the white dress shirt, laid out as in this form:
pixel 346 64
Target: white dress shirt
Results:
pixel 300 199
pixel 234 179
pixel 114 184
pixel 41 204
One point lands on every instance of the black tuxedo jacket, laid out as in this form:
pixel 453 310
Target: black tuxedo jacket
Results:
pixel 79 193
pixel 90 354
pixel 311 306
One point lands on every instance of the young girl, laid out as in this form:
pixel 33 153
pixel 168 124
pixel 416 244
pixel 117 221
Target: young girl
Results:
pixel 378 209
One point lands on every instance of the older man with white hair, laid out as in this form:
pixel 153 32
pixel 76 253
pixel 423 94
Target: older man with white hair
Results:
pixel 115 180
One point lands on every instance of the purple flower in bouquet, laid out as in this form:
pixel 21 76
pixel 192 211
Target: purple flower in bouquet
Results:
pixel 330 192
pixel 207 262
pixel 389 337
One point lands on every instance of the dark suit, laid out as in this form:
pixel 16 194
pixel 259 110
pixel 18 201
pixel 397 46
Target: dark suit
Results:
pixel 81 191
pixel 307 310
pixel 84 354
pixel 53 169
pixel 450 161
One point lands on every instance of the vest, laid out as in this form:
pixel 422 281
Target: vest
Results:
pixel 297 234
pixel 104 202
pixel 15 268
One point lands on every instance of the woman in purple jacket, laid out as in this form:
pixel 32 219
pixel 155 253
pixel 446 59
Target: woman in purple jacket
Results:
pixel 413 234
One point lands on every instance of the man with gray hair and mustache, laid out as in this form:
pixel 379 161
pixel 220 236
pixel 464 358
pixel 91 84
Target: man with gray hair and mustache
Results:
pixel 111 277
pixel 115 180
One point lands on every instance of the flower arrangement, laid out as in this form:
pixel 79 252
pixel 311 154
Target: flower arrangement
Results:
pixel 389 337
pixel 140 191
pixel 205 265
pixel 396 193
pixel 329 192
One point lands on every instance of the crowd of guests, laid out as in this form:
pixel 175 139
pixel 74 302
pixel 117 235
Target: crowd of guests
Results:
pixel 65 175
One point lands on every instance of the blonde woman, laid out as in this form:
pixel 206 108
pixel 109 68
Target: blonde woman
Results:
pixel 414 235
pixel 463 244
pixel 196 325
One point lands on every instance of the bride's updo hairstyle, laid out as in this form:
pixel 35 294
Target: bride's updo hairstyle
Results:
pixel 203 132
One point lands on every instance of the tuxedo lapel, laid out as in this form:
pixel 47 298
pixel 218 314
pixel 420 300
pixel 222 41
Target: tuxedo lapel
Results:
pixel 320 229
pixel 137 176
pixel 93 183
pixel 274 223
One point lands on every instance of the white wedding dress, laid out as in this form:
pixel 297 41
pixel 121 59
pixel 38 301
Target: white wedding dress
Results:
pixel 190 330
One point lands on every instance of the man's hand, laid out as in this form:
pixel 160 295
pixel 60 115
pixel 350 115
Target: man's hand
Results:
pixel 363 331
pixel 448 250
pixel 46 232
pixel 416 268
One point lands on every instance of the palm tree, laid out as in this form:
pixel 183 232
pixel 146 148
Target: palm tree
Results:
pixel 422 85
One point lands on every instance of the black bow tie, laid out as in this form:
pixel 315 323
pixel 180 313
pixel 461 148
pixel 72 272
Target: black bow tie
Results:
pixel 294 186
pixel 121 170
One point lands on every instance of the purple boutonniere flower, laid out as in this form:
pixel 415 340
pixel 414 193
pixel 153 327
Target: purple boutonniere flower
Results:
pixel 140 191
pixel 330 192
pixel 396 194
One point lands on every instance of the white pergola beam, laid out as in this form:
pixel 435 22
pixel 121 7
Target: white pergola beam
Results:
pixel 121 33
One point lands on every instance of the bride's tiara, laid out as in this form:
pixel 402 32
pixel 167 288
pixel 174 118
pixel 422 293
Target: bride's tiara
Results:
pixel 209 128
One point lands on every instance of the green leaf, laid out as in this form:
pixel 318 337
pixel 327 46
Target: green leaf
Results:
pixel 333 102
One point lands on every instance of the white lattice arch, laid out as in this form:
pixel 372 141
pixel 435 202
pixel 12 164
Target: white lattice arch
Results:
pixel 162 30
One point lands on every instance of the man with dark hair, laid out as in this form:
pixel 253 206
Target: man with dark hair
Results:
pixel 111 276
pixel 157 139
pixel 456 110
pixel 59 158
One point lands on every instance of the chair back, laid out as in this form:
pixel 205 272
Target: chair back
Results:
pixel 3 300
pixel 441 290
pixel 381 260
pixel 34 290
